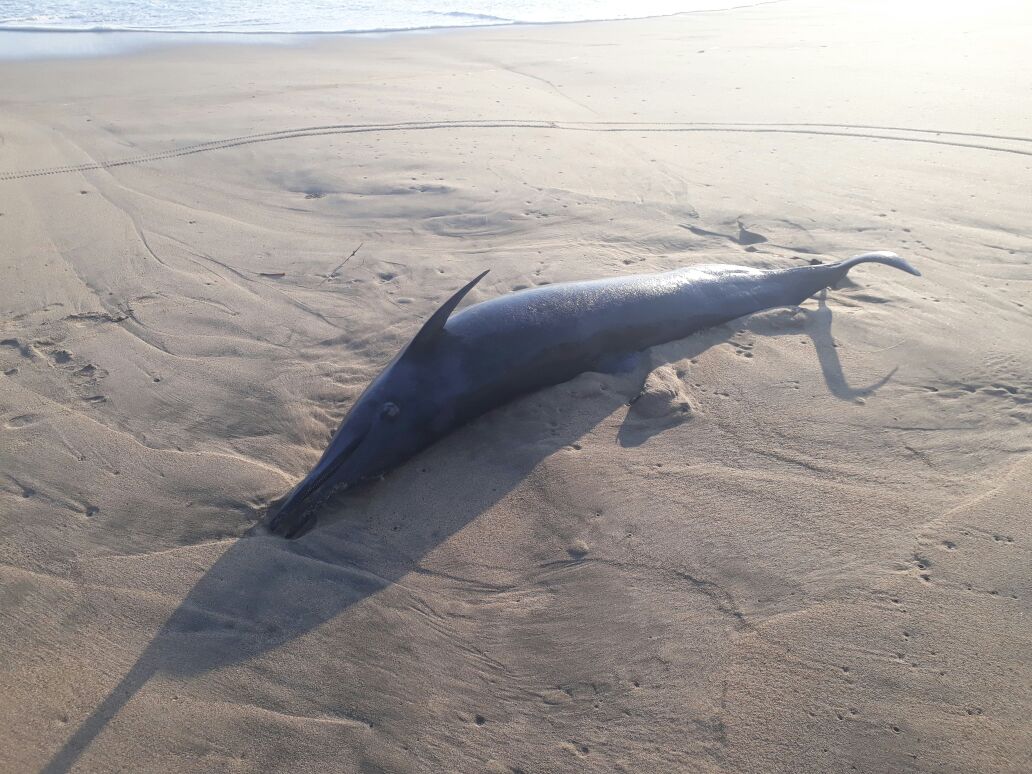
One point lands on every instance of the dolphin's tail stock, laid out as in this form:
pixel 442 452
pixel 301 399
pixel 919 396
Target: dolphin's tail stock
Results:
pixel 882 256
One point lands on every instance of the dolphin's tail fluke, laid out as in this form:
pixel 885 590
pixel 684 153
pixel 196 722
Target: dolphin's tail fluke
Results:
pixel 809 280
pixel 882 256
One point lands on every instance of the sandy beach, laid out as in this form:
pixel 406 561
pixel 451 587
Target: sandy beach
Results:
pixel 804 548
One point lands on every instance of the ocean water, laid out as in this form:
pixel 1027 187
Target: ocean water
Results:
pixel 319 16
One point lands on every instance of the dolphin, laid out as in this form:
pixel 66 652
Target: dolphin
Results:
pixel 462 365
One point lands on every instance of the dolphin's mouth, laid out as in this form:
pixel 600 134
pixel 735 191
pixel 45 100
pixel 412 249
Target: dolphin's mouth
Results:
pixel 297 513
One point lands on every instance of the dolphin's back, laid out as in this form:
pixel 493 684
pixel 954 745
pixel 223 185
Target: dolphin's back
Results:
pixel 587 320
pixel 642 302
pixel 523 341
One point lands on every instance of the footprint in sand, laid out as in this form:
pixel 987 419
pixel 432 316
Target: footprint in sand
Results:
pixel 25 350
pixel 90 371
pixel 21 421
pixel 742 348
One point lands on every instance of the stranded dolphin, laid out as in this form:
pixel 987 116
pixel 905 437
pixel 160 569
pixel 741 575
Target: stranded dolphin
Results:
pixel 458 367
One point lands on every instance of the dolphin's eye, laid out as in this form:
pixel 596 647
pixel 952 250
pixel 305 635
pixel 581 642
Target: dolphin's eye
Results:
pixel 389 410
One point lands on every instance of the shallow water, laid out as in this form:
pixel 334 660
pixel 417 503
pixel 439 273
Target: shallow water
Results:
pixel 263 16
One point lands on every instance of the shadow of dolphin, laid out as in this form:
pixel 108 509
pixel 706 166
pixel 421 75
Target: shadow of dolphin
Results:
pixel 258 595
pixel 814 323
pixel 264 591
pixel 819 331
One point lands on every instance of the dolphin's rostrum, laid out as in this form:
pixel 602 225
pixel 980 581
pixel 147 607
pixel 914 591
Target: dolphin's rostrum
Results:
pixel 458 367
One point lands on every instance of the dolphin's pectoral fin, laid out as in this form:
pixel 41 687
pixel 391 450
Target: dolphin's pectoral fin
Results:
pixel 619 363
pixel 433 327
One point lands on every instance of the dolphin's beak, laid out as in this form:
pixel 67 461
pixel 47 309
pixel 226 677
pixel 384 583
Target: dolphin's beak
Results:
pixel 296 515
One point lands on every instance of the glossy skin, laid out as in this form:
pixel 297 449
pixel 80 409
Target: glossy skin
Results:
pixel 462 366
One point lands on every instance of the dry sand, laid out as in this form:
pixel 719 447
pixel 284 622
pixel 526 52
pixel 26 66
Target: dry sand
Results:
pixel 806 549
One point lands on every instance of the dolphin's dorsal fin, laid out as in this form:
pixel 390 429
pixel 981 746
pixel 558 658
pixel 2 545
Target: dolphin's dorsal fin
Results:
pixel 434 327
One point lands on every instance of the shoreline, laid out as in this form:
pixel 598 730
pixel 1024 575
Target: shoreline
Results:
pixel 32 43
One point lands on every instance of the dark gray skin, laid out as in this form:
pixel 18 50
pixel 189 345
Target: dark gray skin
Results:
pixel 459 367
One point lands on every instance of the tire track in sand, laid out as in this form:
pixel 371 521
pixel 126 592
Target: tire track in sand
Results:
pixel 972 140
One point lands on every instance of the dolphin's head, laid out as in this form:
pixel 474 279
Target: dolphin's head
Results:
pixel 389 422
pixel 406 408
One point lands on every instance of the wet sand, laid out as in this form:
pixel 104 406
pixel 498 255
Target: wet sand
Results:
pixel 804 548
